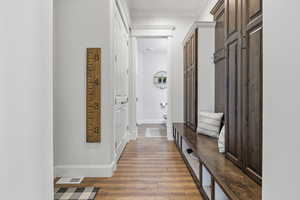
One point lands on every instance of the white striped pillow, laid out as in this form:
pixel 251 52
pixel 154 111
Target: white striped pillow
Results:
pixel 221 141
pixel 209 123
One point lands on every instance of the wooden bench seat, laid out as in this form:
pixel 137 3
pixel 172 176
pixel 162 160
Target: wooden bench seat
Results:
pixel 233 181
pixel 187 134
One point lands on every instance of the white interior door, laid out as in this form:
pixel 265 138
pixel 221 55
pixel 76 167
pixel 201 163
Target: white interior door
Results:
pixel 121 62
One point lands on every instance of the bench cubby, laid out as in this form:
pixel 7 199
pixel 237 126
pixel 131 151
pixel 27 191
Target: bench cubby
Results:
pixel 216 177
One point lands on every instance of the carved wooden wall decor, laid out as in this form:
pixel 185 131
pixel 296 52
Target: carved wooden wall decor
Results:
pixel 93 96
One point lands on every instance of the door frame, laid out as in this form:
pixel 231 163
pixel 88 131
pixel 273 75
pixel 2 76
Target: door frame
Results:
pixel 148 31
pixel 120 101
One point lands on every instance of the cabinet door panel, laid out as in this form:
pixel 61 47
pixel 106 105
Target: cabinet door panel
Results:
pixel 232 7
pixel 190 80
pixel 232 17
pixel 185 82
pixel 190 53
pixel 220 32
pixel 234 138
pixel 220 87
pixel 254 8
pixel 253 134
pixel 188 90
pixel 189 93
pixel 193 99
pixel 193 50
pixel 252 65
pixel 219 59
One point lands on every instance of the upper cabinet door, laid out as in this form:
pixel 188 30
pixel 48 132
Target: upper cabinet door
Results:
pixel 253 9
pixel 190 80
pixel 232 17
pixel 184 81
pixel 219 57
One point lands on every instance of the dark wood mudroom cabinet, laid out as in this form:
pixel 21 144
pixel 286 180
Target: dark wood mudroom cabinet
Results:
pixel 219 57
pixel 233 54
pixel 238 62
pixel 252 57
pixel 191 81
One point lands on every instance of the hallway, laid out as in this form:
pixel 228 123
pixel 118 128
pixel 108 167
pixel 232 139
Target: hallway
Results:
pixel 149 169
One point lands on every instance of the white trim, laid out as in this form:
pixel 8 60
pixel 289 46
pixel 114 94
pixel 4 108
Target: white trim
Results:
pixel 120 148
pixel 170 131
pixel 84 170
pixel 152 30
pixel 51 62
pixel 151 121
pixel 199 24
pixel 121 17
pixel 132 88
pixel 169 114
pixel 136 14
pixel 133 135
pixel 122 10
pixel 150 33
pixel 153 27
pixel 70 180
pixel 170 138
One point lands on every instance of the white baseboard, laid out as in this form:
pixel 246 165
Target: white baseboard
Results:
pixel 84 170
pixel 170 133
pixel 133 135
pixel 151 121
pixel 121 147
pixel 92 170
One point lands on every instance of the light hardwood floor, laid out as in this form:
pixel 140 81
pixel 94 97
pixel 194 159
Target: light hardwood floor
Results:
pixel 149 169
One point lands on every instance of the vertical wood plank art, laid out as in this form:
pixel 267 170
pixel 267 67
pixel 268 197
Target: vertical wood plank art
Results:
pixel 93 96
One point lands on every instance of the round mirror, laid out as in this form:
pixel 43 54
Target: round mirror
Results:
pixel 160 79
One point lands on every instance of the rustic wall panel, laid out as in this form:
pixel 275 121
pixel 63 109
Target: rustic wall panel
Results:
pixel 93 96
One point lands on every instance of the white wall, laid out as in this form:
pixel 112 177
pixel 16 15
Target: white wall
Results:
pixel 206 67
pixel 281 138
pixel 139 87
pixel 182 25
pixel 80 24
pixel 26 146
pixel 149 95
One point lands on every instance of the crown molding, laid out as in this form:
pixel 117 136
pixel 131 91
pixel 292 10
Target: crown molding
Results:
pixel 199 24
pixel 152 30
pixel 153 27
pixel 216 7
pixel 191 14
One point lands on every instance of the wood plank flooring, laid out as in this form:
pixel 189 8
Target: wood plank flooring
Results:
pixel 149 169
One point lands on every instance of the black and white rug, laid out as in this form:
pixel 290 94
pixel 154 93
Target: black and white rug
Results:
pixel 76 193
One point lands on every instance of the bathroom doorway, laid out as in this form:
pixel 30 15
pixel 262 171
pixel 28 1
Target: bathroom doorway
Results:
pixel 152 86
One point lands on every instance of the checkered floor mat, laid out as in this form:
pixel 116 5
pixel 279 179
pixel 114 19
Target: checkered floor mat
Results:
pixel 76 193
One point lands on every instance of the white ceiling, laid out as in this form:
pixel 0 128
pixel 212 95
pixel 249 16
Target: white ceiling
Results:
pixel 188 8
